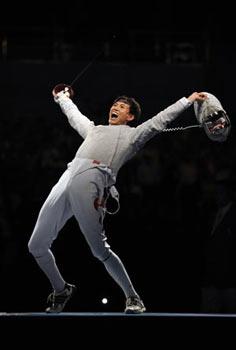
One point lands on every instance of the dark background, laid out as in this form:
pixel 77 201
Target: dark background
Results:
pixel 156 52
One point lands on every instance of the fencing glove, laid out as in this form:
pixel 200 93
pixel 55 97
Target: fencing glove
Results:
pixel 62 91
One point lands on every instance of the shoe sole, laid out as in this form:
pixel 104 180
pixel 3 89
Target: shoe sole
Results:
pixel 135 312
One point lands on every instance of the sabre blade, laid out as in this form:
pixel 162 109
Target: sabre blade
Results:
pixel 92 61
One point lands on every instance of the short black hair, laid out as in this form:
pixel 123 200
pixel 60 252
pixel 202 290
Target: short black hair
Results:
pixel 134 107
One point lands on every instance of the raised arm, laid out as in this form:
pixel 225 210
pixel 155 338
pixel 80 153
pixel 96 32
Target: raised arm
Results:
pixel 76 119
pixel 156 124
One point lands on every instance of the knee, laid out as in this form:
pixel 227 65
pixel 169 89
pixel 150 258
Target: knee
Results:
pixel 101 254
pixel 32 247
pixel 36 248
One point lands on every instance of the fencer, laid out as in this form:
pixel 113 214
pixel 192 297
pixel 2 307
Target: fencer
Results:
pixel 81 190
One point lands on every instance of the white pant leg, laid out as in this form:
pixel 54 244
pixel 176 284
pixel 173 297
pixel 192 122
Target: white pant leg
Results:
pixel 83 190
pixel 52 217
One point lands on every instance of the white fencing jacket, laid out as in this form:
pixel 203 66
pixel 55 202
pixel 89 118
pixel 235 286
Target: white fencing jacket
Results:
pixel 112 145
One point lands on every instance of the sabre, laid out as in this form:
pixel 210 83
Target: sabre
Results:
pixel 86 67
pixel 67 88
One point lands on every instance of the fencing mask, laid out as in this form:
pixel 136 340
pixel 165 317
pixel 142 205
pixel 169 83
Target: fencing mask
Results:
pixel 211 115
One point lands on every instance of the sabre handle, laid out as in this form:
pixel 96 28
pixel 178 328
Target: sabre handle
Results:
pixel 61 89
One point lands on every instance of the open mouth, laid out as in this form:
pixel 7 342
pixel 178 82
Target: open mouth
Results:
pixel 114 116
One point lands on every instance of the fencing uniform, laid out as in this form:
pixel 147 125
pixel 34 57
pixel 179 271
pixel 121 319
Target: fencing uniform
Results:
pixel 81 188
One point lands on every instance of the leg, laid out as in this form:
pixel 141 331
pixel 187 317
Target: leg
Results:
pixel 83 191
pixel 52 217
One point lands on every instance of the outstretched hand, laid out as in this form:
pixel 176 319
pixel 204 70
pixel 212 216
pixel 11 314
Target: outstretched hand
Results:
pixel 197 96
pixel 62 91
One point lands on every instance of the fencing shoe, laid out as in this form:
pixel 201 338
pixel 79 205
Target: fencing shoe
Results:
pixel 134 305
pixel 58 301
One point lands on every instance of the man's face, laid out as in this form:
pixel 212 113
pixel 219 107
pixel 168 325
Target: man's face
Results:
pixel 119 114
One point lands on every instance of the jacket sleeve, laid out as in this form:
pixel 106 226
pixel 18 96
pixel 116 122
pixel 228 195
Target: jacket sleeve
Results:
pixel 151 127
pixel 76 119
